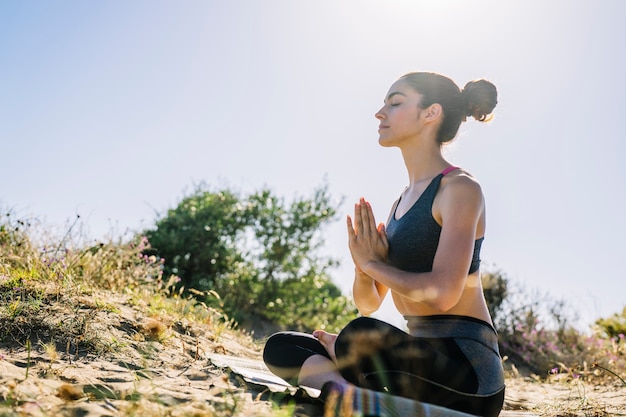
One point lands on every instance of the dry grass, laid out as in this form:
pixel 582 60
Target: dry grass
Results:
pixel 74 352
pixel 97 331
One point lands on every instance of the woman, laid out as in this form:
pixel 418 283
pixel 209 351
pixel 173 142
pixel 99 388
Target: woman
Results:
pixel 428 257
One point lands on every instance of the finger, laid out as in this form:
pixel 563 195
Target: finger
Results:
pixel 365 218
pixel 371 219
pixel 383 234
pixel 351 232
pixel 358 219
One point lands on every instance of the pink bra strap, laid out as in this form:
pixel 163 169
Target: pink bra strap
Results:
pixel 448 170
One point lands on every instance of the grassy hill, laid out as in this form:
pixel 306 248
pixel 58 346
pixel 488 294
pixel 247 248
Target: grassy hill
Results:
pixel 96 330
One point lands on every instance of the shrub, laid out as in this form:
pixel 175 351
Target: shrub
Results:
pixel 257 252
pixel 198 238
pixel 614 326
pixel 537 334
pixel 117 264
pixel 495 288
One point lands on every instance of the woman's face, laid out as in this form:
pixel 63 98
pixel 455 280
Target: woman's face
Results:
pixel 399 116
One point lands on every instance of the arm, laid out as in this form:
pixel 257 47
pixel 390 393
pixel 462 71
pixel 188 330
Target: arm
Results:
pixel 460 206
pixel 368 294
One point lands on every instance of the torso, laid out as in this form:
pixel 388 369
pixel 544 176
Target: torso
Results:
pixel 421 204
pixel 471 304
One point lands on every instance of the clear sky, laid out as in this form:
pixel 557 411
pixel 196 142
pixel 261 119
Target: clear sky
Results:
pixel 112 109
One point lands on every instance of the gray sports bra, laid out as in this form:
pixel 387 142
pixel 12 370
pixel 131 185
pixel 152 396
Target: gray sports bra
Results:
pixel 413 239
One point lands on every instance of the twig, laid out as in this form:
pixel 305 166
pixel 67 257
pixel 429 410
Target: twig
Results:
pixel 69 230
pixel 27 358
pixel 596 365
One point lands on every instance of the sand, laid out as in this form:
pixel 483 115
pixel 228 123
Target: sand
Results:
pixel 155 367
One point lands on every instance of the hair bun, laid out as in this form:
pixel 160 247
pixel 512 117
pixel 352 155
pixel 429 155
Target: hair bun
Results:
pixel 480 98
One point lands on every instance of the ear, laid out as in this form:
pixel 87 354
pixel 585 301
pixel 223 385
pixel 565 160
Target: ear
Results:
pixel 433 112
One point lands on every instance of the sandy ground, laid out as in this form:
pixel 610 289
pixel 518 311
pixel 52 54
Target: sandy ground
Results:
pixel 172 375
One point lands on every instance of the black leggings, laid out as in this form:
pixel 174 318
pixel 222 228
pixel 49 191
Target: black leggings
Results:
pixel 375 355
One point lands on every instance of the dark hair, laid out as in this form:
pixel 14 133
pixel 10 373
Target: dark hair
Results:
pixel 478 99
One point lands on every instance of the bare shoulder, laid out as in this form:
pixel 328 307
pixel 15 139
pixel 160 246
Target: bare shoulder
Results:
pixel 460 199
pixel 461 181
pixel 460 184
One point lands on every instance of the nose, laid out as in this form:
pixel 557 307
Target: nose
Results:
pixel 379 114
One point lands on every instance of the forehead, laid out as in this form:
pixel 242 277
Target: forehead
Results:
pixel 400 87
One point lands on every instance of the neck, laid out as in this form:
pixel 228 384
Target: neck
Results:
pixel 423 164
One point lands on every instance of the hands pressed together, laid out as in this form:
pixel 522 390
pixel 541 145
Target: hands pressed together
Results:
pixel 367 241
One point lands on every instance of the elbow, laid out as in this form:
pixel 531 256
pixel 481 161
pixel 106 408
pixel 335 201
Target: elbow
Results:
pixel 443 305
pixel 366 313
pixel 448 300
pixel 439 298
pixel 366 309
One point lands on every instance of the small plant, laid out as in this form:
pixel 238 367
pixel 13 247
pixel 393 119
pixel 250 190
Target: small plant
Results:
pixel 598 366
pixel 154 329
pixel 51 351
pixel 537 334
pixel 28 358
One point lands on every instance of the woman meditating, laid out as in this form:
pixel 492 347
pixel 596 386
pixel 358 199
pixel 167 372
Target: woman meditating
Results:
pixel 428 257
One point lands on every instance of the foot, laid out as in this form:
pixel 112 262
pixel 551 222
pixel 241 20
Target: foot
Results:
pixel 328 341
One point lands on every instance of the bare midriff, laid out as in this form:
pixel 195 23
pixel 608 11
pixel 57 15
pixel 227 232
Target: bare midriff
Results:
pixel 471 304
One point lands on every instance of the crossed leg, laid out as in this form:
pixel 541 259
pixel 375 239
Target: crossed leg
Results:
pixel 318 369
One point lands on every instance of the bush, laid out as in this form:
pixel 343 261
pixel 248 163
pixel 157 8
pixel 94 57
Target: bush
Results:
pixel 198 237
pixel 537 335
pixel 535 332
pixel 495 288
pixel 614 326
pixel 259 254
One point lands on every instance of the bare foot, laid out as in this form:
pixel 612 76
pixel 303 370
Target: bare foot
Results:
pixel 328 341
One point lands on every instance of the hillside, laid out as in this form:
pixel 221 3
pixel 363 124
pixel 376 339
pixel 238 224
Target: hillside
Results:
pixel 114 353
pixel 96 331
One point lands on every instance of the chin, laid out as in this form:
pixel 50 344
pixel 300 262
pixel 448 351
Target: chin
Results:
pixel 386 143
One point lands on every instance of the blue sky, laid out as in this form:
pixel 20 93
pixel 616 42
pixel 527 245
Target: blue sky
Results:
pixel 112 109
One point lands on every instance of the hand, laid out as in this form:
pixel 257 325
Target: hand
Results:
pixel 366 241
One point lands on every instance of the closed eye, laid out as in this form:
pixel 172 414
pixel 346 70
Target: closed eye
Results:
pixel 392 95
